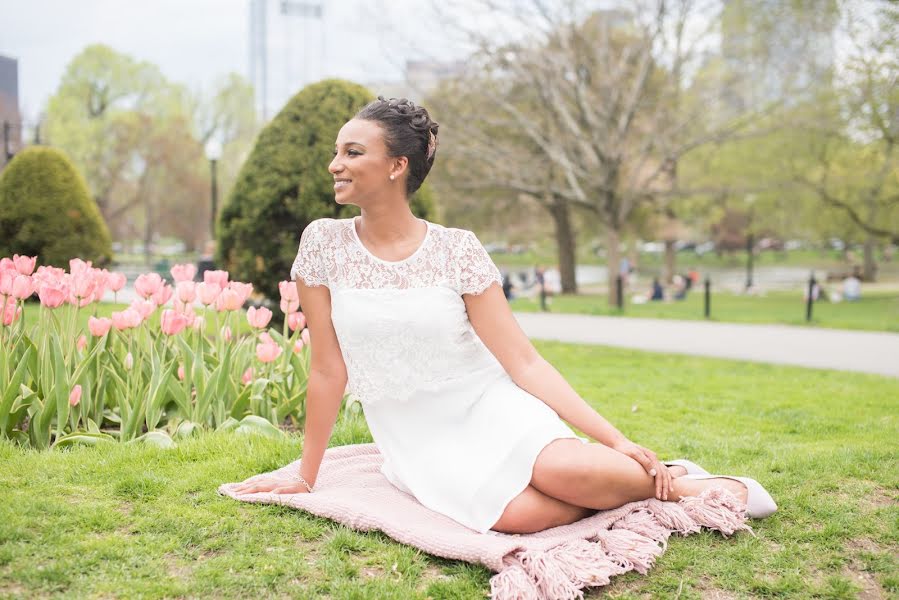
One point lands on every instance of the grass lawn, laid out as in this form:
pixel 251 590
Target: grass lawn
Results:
pixel 138 521
pixel 876 311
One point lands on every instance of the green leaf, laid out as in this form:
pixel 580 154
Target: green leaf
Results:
pixel 155 438
pixel 86 438
pixel 257 425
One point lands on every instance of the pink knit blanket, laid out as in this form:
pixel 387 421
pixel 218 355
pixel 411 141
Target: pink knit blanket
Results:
pixel 554 564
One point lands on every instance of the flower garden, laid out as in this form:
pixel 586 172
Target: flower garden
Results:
pixel 151 372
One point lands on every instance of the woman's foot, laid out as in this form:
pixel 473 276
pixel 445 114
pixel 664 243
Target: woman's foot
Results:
pixel 677 471
pixel 759 503
pixel 687 486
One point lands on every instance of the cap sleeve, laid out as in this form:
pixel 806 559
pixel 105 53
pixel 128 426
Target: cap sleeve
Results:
pixel 476 269
pixel 309 265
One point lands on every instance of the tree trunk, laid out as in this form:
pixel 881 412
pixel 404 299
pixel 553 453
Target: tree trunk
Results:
pixel 670 261
pixel 870 266
pixel 566 244
pixel 613 257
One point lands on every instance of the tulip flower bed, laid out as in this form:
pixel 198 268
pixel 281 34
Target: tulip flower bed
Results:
pixel 149 372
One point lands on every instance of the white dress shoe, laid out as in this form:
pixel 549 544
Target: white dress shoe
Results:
pixel 691 467
pixel 759 503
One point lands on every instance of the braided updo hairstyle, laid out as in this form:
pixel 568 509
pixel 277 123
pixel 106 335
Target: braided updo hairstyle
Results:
pixel 408 131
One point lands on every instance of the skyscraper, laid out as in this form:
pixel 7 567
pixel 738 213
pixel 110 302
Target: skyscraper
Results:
pixel 287 50
pixel 10 118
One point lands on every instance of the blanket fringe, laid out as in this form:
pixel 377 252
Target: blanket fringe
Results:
pixel 633 543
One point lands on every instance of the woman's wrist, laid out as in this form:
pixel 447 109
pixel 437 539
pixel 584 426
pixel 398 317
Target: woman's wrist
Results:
pixel 297 477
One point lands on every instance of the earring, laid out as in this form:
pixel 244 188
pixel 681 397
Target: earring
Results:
pixel 391 178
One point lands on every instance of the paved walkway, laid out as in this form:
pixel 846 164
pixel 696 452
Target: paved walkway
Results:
pixel 867 352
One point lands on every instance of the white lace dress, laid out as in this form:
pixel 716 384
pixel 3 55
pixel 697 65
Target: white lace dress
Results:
pixel 455 431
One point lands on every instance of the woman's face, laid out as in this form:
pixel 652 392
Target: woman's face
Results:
pixel 361 166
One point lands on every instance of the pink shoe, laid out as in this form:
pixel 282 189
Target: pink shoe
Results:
pixel 691 467
pixel 759 503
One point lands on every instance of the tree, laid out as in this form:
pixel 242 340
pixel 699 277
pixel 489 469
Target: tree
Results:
pixel 285 184
pixel 853 134
pixel 599 97
pixel 139 140
pixel 46 211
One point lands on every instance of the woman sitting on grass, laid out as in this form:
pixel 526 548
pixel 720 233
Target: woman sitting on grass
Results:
pixel 466 413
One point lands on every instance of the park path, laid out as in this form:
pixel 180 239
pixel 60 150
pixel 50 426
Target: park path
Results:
pixel 863 351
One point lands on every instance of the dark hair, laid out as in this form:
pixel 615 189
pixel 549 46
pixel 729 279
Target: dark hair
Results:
pixel 407 132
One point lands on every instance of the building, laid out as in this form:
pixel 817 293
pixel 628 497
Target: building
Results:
pixel 10 117
pixel 287 50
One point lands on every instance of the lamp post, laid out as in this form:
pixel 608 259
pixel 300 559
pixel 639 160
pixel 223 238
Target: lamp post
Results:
pixel 750 241
pixel 213 153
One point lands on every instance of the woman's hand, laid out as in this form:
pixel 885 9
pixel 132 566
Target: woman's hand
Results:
pixel 273 485
pixel 649 461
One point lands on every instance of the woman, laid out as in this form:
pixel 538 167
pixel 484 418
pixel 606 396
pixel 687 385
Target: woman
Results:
pixel 411 314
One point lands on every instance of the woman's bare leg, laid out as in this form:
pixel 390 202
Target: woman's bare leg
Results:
pixel 533 510
pixel 595 476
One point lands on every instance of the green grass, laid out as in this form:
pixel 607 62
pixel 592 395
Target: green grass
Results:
pixel 876 311
pixel 137 521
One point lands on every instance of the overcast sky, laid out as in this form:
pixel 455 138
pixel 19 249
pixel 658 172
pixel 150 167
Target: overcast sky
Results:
pixel 192 41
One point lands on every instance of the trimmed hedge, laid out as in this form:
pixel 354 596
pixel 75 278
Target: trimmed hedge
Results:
pixel 285 184
pixel 46 211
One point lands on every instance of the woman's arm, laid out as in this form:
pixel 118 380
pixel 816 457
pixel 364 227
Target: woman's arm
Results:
pixel 494 323
pixel 327 378
pixel 324 392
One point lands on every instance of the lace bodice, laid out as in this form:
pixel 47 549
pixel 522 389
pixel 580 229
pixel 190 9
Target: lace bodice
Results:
pixel 401 325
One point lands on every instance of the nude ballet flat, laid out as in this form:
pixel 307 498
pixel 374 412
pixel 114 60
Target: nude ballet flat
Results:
pixel 759 503
pixel 691 467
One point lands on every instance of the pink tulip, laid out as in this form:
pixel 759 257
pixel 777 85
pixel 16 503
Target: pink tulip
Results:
pixel 128 363
pixel 304 335
pixel 126 319
pixel 148 284
pixel 7 264
pixel 24 264
pixel 259 317
pixel 181 372
pixel 266 338
pixel 267 352
pixel 99 326
pixel 144 308
pixel 83 286
pixel 219 277
pixel 116 281
pixel 52 295
pixel 226 333
pixel 187 291
pixel 228 300
pixel 290 300
pixel 79 267
pixel 173 322
pixel 199 323
pixel 185 272
pixel 298 346
pixel 75 395
pixel 7 277
pixel 247 376
pixel 11 313
pixel 22 287
pixel 81 344
pixel 296 321
pixel 208 292
pixel 163 294
pixel 243 290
